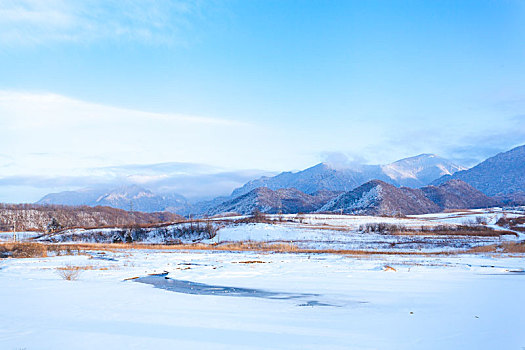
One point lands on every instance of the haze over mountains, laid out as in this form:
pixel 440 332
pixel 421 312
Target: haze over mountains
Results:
pixel 411 172
pixel 414 171
pixel 389 189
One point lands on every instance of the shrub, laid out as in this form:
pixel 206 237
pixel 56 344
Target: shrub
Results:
pixel 382 228
pixel 300 217
pixel 69 272
pixel 480 220
pixel 256 217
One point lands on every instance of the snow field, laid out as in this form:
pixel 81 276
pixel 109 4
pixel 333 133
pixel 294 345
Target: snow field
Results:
pixel 468 302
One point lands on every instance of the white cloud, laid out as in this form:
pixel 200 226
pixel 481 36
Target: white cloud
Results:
pixel 32 22
pixel 55 134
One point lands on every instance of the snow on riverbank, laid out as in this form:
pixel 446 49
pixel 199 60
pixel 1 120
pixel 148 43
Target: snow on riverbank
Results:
pixel 467 302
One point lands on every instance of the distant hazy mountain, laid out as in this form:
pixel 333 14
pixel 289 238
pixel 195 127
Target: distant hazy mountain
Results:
pixel 502 175
pixel 124 197
pixel 83 196
pixel 201 208
pixel 289 200
pixel 412 172
pixel 379 198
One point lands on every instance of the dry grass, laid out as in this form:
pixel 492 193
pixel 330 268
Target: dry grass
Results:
pixel 35 250
pixel 262 246
pixel 513 223
pixel 26 250
pixel 71 273
pixel 465 211
pixel 228 246
pixel 506 247
pixel 23 250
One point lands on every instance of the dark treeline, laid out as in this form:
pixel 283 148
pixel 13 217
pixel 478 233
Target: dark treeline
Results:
pixel 45 218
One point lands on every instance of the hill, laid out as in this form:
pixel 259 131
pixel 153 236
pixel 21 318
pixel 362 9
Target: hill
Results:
pixel 379 198
pixel 289 200
pixel 34 217
pixel 457 194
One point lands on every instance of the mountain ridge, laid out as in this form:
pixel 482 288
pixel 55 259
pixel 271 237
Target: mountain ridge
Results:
pixel 414 172
pixel 377 197
pixel 501 175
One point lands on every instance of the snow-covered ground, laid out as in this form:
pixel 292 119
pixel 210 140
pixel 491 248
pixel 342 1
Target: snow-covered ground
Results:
pixel 421 302
pixel 304 237
pixel 312 231
pixel 325 231
pixel 490 216
pixel 354 221
pixel 8 236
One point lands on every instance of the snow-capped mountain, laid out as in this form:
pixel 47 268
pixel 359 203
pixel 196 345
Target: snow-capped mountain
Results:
pixel 322 176
pixel 411 172
pixel 420 170
pixel 130 197
pixel 502 175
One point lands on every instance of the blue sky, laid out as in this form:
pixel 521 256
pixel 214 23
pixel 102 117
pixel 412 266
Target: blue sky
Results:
pixel 268 85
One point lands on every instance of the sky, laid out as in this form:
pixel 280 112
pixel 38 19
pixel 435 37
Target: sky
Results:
pixel 250 87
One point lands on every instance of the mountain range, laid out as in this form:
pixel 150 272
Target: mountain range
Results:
pixel 130 197
pixel 411 185
pixel 502 176
pixel 375 197
pixel 411 172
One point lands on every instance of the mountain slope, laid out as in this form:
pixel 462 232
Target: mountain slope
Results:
pixel 380 198
pixel 503 174
pixel 457 194
pixel 289 200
